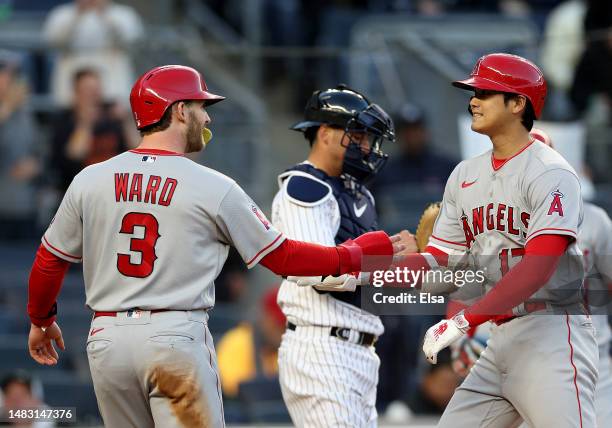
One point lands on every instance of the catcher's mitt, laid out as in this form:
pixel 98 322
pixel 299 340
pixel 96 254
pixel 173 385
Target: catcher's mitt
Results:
pixel 426 224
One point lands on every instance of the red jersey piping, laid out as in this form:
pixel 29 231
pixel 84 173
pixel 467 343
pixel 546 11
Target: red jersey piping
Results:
pixel 156 152
pixel 60 251
pixel 505 161
pixel 264 249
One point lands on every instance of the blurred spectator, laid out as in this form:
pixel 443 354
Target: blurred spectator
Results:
pixel 436 386
pixel 89 132
pixel 251 350
pixel 430 7
pixel 96 34
pixel 19 164
pixel 231 284
pixel 17 394
pixel 591 91
pixel 416 162
pixel 561 50
pixel 399 351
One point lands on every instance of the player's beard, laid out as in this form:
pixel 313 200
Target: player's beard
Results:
pixel 195 143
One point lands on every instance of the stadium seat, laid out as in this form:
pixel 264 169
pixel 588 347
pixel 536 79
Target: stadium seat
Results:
pixel 262 401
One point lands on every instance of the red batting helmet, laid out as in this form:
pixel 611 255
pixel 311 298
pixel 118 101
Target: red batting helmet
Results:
pixel 158 88
pixel 542 136
pixel 508 73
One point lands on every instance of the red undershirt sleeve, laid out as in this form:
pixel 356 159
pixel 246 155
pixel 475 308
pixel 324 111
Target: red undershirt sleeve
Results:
pixel 306 259
pixel 542 255
pixel 46 278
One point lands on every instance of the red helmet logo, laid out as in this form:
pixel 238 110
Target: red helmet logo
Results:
pixel 508 73
pixel 158 88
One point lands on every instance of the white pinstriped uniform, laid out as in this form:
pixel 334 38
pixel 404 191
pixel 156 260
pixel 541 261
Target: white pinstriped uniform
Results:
pixel 325 381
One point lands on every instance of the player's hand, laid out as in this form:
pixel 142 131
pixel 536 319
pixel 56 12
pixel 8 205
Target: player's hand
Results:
pixel 40 344
pixel 408 241
pixel 346 282
pixel 399 245
pixel 443 334
pixel 305 281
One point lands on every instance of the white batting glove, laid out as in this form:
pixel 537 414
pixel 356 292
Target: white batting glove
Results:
pixel 305 281
pixel 346 282
pixel 443 334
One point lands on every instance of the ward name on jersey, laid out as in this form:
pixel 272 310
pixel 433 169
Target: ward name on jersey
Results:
pixel 129 187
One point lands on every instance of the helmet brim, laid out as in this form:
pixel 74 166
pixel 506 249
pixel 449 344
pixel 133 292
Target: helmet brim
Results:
pixel 303 125
pixel 210 98
pixel 476 82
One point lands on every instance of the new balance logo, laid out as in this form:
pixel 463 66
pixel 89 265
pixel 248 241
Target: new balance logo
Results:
pixel 440 330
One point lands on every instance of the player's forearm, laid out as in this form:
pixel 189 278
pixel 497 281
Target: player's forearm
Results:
pixel 303 259
pixel 45 282
pixel 528 276
pixel 370 250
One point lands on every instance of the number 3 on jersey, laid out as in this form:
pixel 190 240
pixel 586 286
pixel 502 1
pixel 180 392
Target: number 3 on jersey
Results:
pixel 145 245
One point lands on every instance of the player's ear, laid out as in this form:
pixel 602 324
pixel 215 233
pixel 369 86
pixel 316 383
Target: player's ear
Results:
pixel 181 111
pixel 323 134
pixel 518 104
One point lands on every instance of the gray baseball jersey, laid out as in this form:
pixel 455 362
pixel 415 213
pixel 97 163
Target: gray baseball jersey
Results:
pixel 493 213
pixel 153 229
pixel 595 239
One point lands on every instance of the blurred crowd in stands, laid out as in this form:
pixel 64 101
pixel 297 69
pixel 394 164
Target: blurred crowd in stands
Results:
pixel 89 44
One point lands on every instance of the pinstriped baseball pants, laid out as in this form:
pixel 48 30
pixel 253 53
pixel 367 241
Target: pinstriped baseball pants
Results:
pixel 327 382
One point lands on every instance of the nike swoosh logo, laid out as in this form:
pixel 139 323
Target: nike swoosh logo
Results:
pixel 359 211
pixel 96 330
pixel 466 184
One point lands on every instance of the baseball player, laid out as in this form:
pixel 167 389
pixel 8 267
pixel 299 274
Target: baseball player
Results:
pixel 153 229
pixel 327 363
pixel 515 210
pixel 595 241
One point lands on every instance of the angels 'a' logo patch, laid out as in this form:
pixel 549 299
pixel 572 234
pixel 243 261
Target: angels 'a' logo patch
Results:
pixel 556 206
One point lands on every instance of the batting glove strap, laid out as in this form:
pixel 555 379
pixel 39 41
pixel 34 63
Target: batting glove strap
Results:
pixel 461 322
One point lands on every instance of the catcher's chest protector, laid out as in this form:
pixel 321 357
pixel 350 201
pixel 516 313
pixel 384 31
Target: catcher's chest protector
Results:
pixel 357 215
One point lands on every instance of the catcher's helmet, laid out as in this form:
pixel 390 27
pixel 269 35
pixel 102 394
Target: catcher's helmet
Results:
pixel 333 107
pixel 158 88
pixel 349 110
pixel 508 73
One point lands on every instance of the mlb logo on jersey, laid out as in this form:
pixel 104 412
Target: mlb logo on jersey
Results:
pixel 149 159
pixel 134 313
pixel 261 217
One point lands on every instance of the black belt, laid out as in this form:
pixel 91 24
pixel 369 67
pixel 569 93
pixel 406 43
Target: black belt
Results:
pixel 342 333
